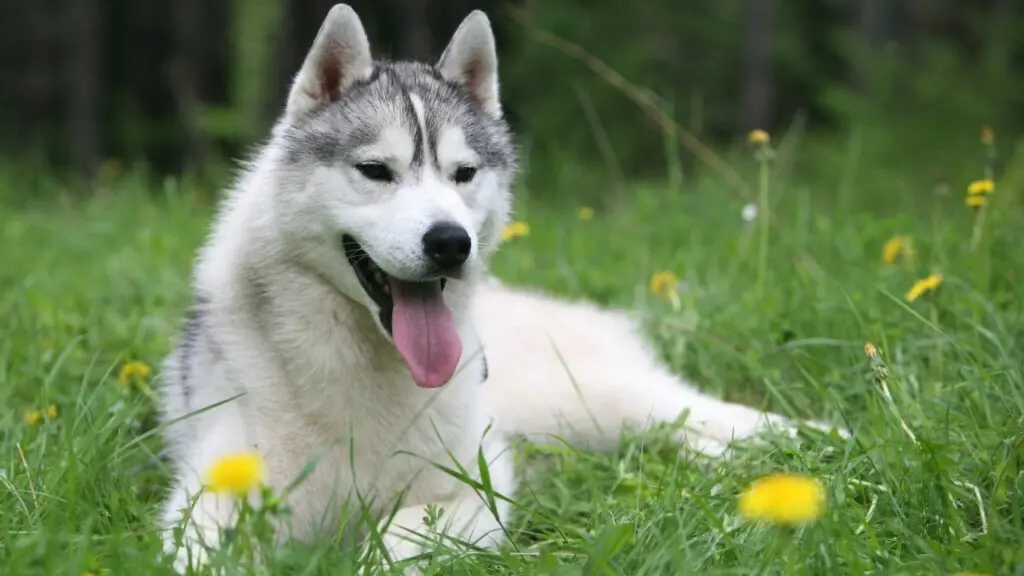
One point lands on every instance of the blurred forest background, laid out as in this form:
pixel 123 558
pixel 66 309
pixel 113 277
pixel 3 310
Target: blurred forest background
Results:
pixel 175 86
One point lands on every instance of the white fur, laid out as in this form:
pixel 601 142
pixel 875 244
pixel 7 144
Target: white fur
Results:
pixel 287 328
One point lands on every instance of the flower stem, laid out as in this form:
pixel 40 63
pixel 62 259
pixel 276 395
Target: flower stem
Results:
pixel 979 225
pixel 763 217
pixel 980 217
pixel 936 360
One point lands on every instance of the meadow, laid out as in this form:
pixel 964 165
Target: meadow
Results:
pixel 817 323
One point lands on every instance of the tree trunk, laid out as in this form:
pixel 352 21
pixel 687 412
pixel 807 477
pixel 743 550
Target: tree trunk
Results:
pixel 411 38
pixel 84 82
pixel 874 22
pixel 183 70
pixel 1000 41
pixel 758 80
pixel 874 28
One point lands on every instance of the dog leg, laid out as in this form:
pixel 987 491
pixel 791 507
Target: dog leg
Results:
pixel 574 372
pixel 467 517
pixel 220 434
pixel 712 424
pixel 595 412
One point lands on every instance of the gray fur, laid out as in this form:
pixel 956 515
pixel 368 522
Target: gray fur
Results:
pixel 330 134
pixel 191 335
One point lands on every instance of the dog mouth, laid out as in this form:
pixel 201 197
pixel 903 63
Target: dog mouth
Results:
pixel 375 281
pixel 414 314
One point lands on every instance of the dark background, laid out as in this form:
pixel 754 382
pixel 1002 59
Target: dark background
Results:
pixel 176 86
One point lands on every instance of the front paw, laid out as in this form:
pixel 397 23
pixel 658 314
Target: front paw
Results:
pixel 189 555
pixel 401 552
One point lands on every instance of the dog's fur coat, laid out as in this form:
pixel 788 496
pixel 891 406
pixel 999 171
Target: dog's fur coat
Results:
pixel 283 326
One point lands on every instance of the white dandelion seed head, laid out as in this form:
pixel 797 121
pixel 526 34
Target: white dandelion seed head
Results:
pixel 750 212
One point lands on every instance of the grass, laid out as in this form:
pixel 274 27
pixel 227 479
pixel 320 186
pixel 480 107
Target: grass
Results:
pixel 931 483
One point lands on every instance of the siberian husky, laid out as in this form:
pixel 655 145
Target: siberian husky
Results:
pixel 343 313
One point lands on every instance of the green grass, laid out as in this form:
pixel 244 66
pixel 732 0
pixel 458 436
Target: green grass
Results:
pixel 931 483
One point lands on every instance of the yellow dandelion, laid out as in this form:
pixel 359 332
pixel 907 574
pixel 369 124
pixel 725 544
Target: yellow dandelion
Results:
pixel 51 412
pixel 112 167
pixel 870 351
pixel 585 213
pixel 33 417
pixel 664 283
pixel 132 369
pixel 758 137
pixel 786 499
pixel 976 201
pixel 923 286
pixel 988 136
pixel 236 474
pixel 894 247
pixel 515 230
pixel 969 574
pixel 981 187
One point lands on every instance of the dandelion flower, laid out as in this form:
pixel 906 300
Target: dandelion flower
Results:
pixel 988 138
pixel 132 369
pixel 515 230
pixel 923 286
pixel 236 474
pixel 758 137
pixel 969 574
pixel 586 213
pixel 976 201
pixel 894 247
pixel 981 187
pixel 34 417
pixel 869 350
pixel 785 499
pixel 664 283
pixel 749 213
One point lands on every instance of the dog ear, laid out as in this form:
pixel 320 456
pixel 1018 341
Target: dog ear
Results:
pixel 471 61
pixel 340 55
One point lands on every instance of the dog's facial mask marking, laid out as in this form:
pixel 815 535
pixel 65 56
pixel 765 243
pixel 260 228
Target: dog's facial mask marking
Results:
pixel 405 145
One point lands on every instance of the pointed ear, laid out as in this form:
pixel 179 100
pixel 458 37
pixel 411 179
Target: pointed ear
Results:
pixel 340 55
pixel 472 61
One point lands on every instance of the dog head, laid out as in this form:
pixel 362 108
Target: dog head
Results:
pixel 395 179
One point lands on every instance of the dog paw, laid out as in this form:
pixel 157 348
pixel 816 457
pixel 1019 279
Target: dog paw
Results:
pixel 193 551
pixel 792 428
pixel 701 446
pixel 399 551
pixel 186 557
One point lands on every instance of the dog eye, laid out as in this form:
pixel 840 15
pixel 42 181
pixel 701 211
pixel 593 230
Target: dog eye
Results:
pixel 376 171
pixel 464 174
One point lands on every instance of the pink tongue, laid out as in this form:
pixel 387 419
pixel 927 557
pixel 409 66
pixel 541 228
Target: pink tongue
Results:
pixel 424 332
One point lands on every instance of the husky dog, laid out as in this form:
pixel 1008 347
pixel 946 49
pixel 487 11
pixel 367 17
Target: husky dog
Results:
pixel 344 314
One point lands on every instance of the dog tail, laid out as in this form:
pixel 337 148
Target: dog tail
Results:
pixel 562 371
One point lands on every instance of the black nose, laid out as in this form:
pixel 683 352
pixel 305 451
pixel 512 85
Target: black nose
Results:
pixel 447 245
